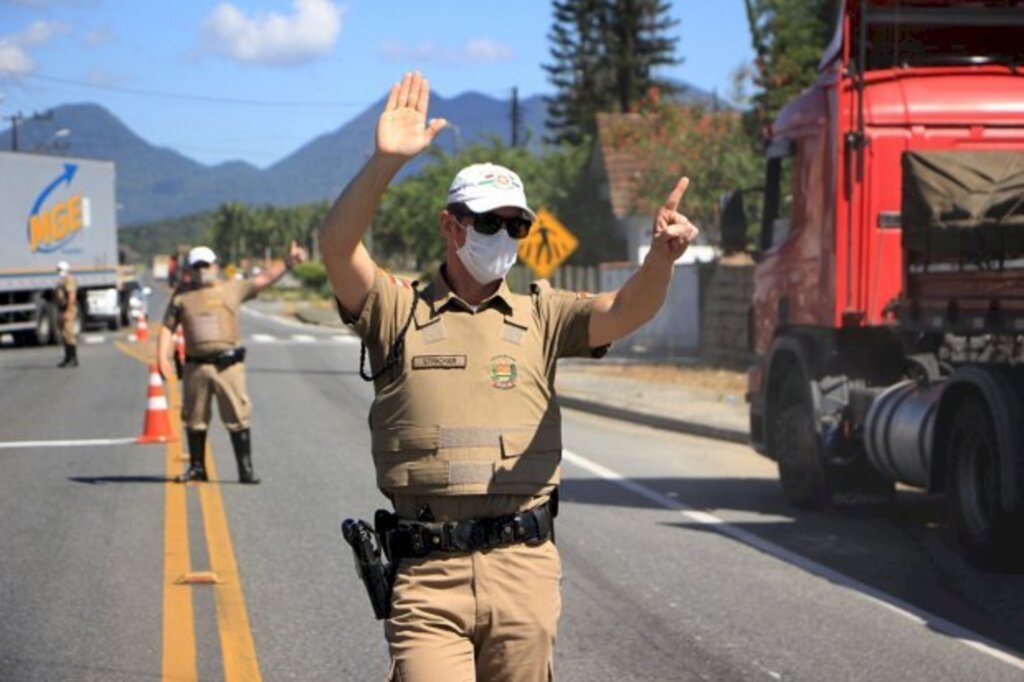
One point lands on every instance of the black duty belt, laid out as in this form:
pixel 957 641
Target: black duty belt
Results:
pixel 223 359
pixel 418 539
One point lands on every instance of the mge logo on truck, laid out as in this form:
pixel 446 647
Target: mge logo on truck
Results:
pixel 53 224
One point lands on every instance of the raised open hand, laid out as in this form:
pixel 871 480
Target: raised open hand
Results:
pixel 673 232
pixel 402 130
pixel 297 254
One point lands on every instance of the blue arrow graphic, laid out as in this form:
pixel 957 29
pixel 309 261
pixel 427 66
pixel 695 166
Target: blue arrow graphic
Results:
pixel 69 172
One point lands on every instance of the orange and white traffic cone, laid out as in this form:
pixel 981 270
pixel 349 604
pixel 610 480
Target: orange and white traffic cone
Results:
pixel 157 426
pixel 179 345
pixel 142 329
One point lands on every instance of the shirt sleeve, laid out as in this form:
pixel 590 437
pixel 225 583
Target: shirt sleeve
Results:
pixel 567 315
pixel 172 316
pixel 384 312
pixel 246 290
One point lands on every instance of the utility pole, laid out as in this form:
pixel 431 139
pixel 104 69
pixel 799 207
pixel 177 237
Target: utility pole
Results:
pixel 18 118
pixel 515 117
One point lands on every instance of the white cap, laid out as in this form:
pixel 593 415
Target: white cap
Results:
pixel 484 187
pixel 201 254
pixel 63 267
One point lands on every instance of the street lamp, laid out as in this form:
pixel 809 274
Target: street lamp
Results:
pixel 57 134
pixel 458 136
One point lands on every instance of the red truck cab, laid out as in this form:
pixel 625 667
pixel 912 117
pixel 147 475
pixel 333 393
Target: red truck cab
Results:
pixel 852 294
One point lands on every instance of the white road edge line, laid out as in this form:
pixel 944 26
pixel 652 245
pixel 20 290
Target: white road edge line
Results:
pixel 11 445
pixel 890 602
pixel 288 322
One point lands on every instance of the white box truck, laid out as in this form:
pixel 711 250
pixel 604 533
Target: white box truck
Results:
pixel 54 209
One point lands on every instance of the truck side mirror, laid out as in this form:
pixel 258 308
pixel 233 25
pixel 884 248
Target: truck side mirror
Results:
pixel 733 221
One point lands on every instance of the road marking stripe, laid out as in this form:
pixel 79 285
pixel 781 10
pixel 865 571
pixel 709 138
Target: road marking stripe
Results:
pixel 84 442
pixel 304 338
pixel 179 642
pixel 345 338
pixel 890 602
pixel 263 338
pixel 237 647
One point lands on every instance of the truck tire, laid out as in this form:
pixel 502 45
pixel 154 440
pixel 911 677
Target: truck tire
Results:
pixel 797 446
pixel 45 332
pixel 988 534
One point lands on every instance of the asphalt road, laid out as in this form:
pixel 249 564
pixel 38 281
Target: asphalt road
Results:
pixel 680 560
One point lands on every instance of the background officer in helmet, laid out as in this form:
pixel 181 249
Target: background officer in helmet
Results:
pixel 65 294
pixel 214 361
pixel 465 430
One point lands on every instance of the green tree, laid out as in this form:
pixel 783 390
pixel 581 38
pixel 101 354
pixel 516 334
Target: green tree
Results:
pixel 788 37
pixel 604 56
pixel 708 147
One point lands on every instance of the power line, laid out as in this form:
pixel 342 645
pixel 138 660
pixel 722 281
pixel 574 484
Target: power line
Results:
pixel 194 97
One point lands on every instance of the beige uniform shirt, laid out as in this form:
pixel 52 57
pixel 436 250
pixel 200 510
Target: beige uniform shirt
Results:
pixel 66 295
pixel 209 316
pixel 494 366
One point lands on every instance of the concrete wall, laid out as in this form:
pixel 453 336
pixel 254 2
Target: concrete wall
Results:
pixel 675 330
pixel 727 289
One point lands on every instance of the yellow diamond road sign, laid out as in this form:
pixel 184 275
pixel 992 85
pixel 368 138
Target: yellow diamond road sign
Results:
pixel 548 244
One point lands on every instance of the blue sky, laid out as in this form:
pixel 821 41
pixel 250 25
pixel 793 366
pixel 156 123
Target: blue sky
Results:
pixel 254 80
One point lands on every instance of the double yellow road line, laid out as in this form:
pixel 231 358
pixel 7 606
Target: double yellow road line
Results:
pixel 179 642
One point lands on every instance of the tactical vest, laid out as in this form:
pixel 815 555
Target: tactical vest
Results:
pixel 471 410
pixel 209 318
pixel 65 294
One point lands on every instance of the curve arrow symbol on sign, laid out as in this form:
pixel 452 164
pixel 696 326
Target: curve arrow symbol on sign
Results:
pixel 69 173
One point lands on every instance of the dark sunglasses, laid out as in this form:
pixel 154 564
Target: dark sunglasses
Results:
pixel 490 223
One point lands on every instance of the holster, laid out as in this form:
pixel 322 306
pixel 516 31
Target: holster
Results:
pixel 372 567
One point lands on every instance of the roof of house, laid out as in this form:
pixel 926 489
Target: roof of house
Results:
pixel 623 159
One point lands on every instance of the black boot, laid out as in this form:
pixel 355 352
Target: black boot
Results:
pixel 73 352
pixel 243 455
pixel 196 457
pixel 67 357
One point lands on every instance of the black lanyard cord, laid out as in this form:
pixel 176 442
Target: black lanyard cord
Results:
pixel 394 355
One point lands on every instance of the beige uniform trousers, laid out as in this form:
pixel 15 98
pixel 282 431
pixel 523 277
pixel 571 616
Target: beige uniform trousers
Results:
pixel 489 616
pixel 202 383
pixel 67 329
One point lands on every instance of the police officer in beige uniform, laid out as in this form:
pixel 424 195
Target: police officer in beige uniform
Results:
pixel 214 360
pixel 466 433
pixel 65 294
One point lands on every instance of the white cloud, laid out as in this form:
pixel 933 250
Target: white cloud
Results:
pixel 98 37
pixel 15 59
pixel 474 51
pixel 269 38
pixel 485 50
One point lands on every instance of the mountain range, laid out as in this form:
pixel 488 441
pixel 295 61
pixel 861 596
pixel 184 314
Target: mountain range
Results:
pixel 155 183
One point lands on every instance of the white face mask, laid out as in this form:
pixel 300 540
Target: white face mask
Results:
pixel 207 276
pixel 488 257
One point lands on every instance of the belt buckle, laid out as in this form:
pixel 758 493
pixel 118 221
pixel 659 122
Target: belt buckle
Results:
pixel 465 536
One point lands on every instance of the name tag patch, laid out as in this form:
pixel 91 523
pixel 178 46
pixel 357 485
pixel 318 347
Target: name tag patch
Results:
pixel 439 362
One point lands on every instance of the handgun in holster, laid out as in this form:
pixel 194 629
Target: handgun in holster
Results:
pixel 372 564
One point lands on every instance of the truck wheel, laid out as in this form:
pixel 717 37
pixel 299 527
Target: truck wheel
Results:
pixel 795 439
pixel 987 533
pixel 46 323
